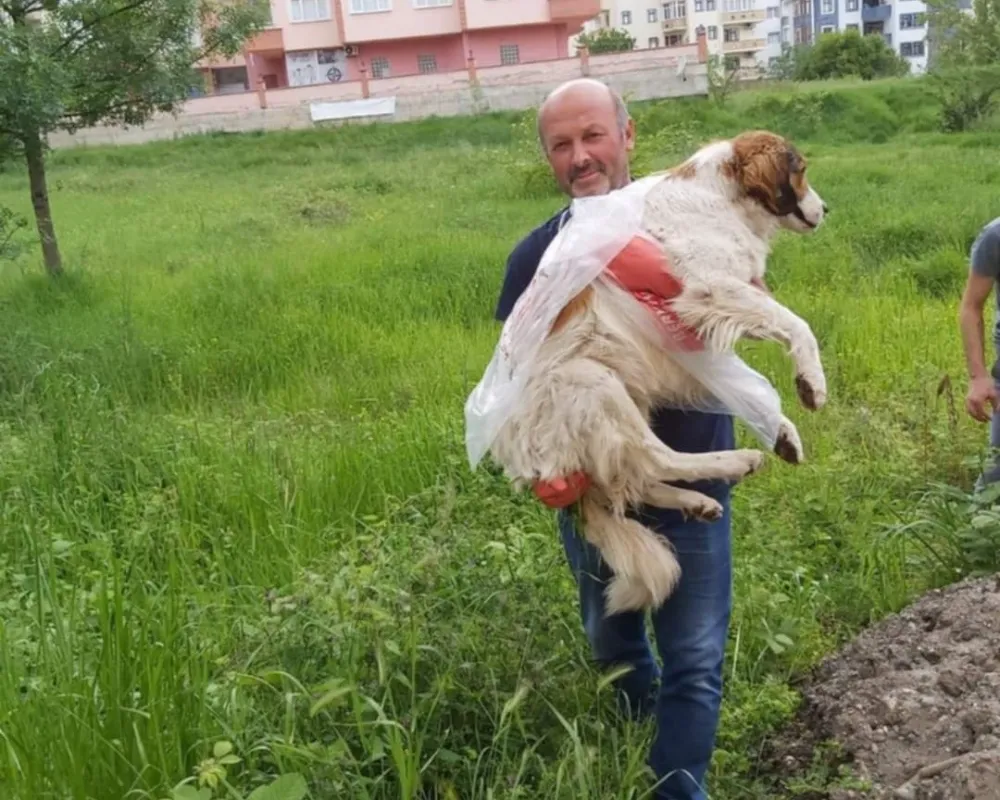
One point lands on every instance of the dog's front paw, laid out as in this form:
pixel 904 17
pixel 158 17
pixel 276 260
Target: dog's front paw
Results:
pixel 707 511
pixel 788 446
pixel 811 391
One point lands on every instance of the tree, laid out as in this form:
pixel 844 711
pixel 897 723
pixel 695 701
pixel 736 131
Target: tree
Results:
pixel 71 64
pixel 848 54
pixel 606 40
pixel 964 70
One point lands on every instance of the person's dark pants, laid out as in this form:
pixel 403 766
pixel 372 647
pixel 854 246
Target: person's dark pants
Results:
pixel 685 693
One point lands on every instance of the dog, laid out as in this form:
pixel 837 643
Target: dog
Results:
pixel 603 367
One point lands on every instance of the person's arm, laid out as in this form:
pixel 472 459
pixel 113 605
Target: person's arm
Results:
pixel 984 267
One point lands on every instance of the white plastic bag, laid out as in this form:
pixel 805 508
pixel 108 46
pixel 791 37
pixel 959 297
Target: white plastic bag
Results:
pixel 599 228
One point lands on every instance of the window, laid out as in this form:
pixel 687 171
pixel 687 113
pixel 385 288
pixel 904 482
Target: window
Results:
pixel 730 34
pixel 710 5
pixel 650 15
pixel 826 29
pixel 510 54
pixel 427 64
pixel 827 7
pixel 674 39
pixel 774 38
pixel 309 10
pixel 675 10
pixel 369 6
pixel 911 21
pixel 699 5
pixel 852 27
pixel 852 5
pixel 431 3
pixel 804 8
pixel 626 18
pixel 773 12
pixel 713 32
pixel 911 49
pixel 380 67
pixel 654 41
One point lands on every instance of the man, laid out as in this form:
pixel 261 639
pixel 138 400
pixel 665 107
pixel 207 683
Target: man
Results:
pixel 586 134
pixel 981 399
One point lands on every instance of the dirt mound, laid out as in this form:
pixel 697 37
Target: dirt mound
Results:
pixel 914 701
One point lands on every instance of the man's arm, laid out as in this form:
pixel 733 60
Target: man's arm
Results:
pixel 983 270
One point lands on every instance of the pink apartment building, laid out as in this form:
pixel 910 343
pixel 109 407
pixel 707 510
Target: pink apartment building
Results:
pixel 326 41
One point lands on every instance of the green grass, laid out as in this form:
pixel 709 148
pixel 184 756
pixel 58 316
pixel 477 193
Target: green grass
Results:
pixel 233 493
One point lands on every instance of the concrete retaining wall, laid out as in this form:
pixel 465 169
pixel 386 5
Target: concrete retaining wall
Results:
pixel 640 75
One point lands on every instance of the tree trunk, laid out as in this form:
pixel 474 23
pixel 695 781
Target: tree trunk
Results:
pixel 40 202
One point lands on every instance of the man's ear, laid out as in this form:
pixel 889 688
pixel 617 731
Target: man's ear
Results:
pixel 629 135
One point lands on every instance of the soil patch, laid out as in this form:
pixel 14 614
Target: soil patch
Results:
pixel 913 702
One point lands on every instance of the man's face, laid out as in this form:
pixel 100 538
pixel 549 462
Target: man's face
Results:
pixel 585 147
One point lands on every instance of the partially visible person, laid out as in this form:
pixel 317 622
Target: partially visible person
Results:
pixel 984 384
pixel 586 134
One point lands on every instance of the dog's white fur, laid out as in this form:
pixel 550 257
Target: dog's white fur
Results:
pixel 604 368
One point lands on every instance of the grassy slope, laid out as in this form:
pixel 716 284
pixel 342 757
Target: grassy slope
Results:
pixel 231 461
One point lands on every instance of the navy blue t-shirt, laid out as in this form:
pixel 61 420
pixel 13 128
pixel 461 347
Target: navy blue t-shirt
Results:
pixel 686 431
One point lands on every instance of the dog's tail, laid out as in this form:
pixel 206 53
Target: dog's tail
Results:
pixel 644 565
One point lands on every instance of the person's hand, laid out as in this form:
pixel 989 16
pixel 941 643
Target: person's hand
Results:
pixel 981 401
pixel 562 492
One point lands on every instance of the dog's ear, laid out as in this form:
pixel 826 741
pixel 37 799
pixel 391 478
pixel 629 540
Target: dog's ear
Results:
pixel 765 166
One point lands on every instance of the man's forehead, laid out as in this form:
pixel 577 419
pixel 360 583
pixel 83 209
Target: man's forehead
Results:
pixel 578 103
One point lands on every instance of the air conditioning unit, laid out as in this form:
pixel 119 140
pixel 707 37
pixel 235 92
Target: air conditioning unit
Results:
pixel 351 50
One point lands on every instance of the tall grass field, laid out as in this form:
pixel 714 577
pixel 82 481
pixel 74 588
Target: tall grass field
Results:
pixel 240 539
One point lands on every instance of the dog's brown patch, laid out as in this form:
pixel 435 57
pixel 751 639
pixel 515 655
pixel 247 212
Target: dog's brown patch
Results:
pixel 579 304
pixel 769 169
pixel 685 171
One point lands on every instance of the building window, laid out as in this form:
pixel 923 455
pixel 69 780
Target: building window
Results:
pixel 309 10
pixel 911 49
pixel 370 6
pixel 380 67
pixel 626 18
pixel 710 5
pixel 427 64
pixel 650 15
pixel 773 12
pixel 674 39
pixel 827 7
pixel 713 32
pixel 431 3
pixel 852 27
pixel 730 34
pixel 510 54
pixel 654 41
pixel 699 5
pixel 852 5
pixel 675 10
pixel 911 21
pixel 774 38
pixel 826 29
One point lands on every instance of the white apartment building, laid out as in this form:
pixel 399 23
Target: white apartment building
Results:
pixel 745 31
pixel 901 23
pixel 755 31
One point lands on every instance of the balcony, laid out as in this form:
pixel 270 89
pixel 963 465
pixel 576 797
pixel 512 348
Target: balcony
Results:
pixel 744 46
pixel 675 24
pixel 880 12
pixel 573 10
pixel 270 40
pixel 744 17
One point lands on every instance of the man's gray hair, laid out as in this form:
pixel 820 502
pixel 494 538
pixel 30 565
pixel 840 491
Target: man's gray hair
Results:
pixel 622 116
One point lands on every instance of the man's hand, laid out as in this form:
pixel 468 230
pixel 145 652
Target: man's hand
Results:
pixel 562 492
pixel 981 401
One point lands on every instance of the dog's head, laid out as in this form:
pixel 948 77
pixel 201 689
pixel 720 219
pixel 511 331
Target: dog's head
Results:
pixel 769 171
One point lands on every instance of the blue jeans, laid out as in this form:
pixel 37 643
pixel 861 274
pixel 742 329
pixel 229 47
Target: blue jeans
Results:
pixel 991 470
pixel 685 694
